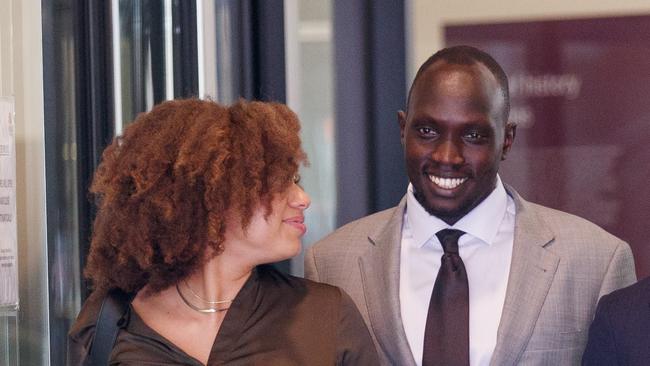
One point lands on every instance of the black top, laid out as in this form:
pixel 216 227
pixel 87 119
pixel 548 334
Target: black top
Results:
pixel 620 333
pixel 275 319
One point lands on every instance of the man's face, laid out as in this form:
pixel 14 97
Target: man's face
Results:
pixel 454 137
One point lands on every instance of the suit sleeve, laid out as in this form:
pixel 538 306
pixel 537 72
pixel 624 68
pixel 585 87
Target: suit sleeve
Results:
pixel 620 272
pixel 311 272
pixel 354 344
pixel 601 344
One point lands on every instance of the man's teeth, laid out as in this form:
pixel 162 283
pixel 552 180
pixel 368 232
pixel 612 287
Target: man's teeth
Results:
pixel 447 183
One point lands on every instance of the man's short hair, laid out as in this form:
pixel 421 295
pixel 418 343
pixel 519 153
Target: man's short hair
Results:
pixel 468 55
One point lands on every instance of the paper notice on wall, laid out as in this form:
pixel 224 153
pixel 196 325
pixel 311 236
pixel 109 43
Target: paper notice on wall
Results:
pixel 8 228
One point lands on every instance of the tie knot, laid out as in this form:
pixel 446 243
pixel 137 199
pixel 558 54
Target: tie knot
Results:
pixel 449 240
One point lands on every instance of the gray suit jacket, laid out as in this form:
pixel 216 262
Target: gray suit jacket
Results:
pixel 561 265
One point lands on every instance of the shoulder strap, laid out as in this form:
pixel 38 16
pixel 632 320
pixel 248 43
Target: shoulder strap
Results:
pixel 113 309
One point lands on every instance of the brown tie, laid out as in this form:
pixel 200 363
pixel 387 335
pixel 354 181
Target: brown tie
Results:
pixel 446 335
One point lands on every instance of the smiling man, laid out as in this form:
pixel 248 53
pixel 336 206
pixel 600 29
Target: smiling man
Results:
pixel 463 271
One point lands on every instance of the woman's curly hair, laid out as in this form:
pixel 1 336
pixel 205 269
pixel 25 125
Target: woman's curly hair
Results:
pixel 165 187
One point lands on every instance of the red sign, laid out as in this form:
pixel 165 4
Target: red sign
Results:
pixel 580 93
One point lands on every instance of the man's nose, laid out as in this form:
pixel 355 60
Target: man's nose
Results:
pixel 449 152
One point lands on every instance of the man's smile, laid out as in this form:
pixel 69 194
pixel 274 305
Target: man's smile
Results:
pixel 446 183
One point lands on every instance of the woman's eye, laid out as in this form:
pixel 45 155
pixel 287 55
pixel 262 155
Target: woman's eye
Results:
pixel 296 178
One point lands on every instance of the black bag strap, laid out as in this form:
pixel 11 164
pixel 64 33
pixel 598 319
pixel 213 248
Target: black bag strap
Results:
pixel 114 306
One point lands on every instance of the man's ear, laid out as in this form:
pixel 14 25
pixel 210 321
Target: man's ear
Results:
pixel 401 119
pixel 509 139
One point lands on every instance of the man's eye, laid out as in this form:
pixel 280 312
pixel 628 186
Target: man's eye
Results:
pixel 426 131
pixel 474 136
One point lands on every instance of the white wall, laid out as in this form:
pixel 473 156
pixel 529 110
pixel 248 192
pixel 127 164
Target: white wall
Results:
pixel 426 18
pixel 22 77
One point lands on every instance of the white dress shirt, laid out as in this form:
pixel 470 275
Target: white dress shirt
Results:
pixel 486 250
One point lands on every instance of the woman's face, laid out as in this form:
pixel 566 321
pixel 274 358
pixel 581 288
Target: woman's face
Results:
pixel 276 237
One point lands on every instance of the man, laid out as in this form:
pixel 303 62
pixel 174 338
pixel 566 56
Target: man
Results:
pixel 620 333
pixel 517 284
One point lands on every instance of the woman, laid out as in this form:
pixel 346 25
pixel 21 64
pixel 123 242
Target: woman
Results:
pixel 194 199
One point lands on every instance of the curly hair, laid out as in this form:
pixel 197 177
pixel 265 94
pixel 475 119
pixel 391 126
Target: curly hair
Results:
pixel 165 187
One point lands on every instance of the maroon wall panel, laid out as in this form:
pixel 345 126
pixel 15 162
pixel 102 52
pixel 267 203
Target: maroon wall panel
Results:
pixel 580 93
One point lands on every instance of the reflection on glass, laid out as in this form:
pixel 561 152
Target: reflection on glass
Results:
pixel 310 93
pixel 144 32
pixel 63 238
pixel 228 56
pixel 65 276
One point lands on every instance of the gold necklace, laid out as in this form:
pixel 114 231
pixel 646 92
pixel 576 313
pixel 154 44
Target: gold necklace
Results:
pixel 218 302
pixel 202 310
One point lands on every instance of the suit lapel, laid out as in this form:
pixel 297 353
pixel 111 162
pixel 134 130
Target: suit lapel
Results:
pixel 380 277
pixel 531 273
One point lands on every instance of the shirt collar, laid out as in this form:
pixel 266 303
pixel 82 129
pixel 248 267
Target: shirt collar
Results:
pixel 479 223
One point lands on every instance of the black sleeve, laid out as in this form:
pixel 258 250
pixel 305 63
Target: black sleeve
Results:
pixel 354 344
pixel 601 344
pixel 76 352
pixel 83 330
